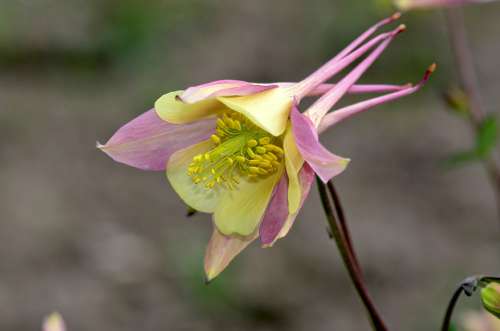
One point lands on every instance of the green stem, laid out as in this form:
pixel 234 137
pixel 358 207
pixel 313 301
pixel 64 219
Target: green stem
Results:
pixel 349 259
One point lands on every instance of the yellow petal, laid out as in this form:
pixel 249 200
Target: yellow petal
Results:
pixel 195 196
pixel 172 110
pixel 221 250
pixel 240 211
pixel 269 109
pixel 293 164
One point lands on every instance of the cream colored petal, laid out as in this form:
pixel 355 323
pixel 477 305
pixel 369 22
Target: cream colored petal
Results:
pixel 293 164
pixel 269 109
pixel 221 250
pixel 195 196
pixel 173 110
pixel 240 210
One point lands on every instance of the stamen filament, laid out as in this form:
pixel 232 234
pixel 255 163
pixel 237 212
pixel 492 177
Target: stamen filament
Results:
pixel 241 149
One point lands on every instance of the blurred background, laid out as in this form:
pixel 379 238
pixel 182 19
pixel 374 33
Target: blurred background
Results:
pixel 110 247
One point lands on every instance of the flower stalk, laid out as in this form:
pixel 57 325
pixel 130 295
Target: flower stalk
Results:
pixel 468 76
pixel 343 223
pixel 468 286
pixel 344 245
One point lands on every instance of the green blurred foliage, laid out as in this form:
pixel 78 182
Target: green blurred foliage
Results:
pixel 222 297
pixel 212 297
pixel 486 140
pixel 128 25
pixel 487 137
pixel 457 101
pixel 124 29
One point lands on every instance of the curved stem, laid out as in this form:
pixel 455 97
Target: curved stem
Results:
pixel 451 307
pixel 468 286
pixel 349 259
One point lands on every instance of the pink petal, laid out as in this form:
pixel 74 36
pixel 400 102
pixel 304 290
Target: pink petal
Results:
pixel 147 141
pixel 348 111
pixel 367 34
pixel 343 59
pixel 324 163
pixel 355 89
pixel 359 89
pixel 306 178
pixel 221 88
pixel 279 223
pixel 329 99
pixel 325 73
pixel 276 213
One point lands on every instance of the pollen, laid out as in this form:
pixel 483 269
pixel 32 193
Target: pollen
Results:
pixel 241 150
pixel 215 138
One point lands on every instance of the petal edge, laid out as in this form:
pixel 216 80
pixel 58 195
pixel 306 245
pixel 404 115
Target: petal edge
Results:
pixel 324 163
pixel 147 142
pixel 221 250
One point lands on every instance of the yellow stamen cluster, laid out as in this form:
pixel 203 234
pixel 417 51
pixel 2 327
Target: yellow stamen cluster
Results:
pixel 241 149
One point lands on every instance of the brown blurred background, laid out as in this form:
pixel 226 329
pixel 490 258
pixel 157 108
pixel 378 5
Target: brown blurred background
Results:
pixel 110 247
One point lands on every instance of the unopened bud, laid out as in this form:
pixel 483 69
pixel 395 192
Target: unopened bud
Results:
pixel 490 296
pixel 54 322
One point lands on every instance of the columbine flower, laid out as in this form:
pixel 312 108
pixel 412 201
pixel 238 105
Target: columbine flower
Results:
pixel 414 4
pixel 54 322
pixel 243 152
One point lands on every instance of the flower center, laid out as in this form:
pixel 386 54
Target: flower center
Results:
pixel 241 150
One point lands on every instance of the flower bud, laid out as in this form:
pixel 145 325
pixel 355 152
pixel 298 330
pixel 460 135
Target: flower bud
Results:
pixel 490 296
pixel 54 322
